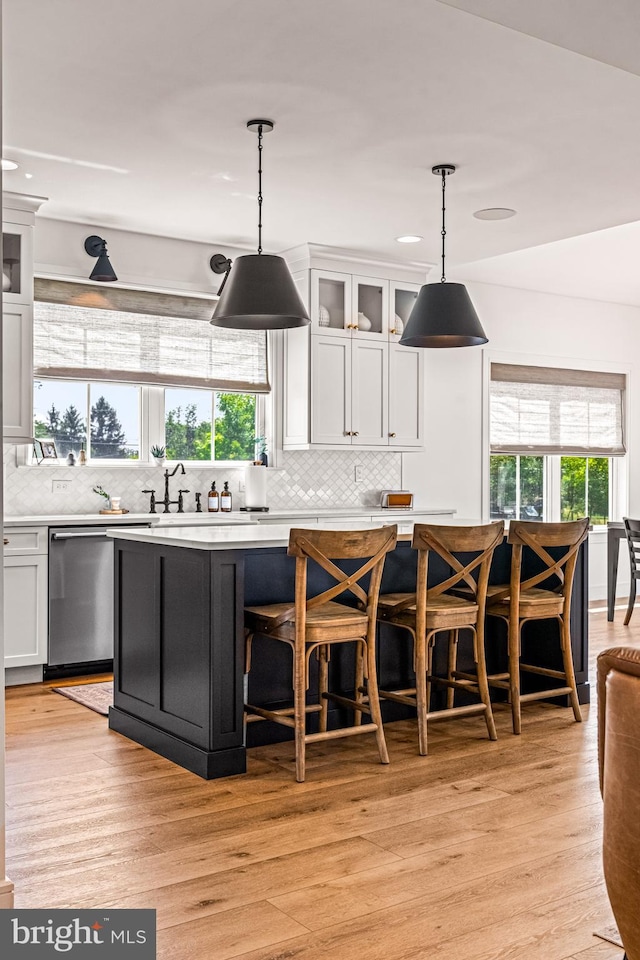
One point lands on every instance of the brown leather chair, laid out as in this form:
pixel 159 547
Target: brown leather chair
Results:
pixel 619 755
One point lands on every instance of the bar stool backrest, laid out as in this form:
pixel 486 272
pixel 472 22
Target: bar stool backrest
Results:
pixel 539 536
pixel 325 546
pixel 447 543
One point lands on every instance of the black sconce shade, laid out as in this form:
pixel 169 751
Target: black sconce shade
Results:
pixel 103 271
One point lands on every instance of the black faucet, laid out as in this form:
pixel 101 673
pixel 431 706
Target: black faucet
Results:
pixel 166 502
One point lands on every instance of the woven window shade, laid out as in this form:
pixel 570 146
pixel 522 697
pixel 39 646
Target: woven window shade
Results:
pixel 131 336
pixel 548 410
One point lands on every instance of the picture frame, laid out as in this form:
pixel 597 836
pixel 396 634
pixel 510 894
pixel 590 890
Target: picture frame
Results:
pixel 45 449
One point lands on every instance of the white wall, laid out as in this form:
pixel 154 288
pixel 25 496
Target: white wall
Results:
pixel 528 324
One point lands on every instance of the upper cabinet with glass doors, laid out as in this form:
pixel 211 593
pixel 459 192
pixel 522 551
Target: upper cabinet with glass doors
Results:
pixel 346 305
pixel 18 219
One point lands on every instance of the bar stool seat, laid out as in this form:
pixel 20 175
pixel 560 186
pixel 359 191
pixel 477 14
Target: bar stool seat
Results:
pixel 330 621
pixel 446 611
pixel 312 624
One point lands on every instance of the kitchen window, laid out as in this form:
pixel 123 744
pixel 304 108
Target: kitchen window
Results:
pixel 557 441
pixel 121 371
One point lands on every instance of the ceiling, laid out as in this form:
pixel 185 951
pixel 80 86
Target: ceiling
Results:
pixel 132 115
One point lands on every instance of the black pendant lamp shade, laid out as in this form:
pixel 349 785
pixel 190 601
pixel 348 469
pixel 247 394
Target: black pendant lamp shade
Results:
pixel 103 271
pixel 260 293
pixel 443 314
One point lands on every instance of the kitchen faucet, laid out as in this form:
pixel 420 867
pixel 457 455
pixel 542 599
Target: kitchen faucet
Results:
pixel 166 502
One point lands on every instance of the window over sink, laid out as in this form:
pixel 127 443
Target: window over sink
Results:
pixel 120 371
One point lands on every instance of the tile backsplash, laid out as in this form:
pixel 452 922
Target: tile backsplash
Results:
pixel 306 478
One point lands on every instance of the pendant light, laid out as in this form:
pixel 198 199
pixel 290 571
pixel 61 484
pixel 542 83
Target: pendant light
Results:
pixel 443 314
pixel 260 294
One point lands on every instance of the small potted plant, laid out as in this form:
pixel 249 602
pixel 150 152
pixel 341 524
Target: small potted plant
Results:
pixel 159 454
pixel 261 451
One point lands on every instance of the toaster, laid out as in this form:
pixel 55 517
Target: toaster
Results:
pixel 397 499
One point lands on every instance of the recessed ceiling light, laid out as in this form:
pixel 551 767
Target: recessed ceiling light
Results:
pixel 28 176
pixel 9 164
pixel 409 239
pixel 495 213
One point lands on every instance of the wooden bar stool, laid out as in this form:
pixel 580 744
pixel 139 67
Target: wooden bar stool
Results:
pixel 543 595
pixel 434 609
pixel 315 623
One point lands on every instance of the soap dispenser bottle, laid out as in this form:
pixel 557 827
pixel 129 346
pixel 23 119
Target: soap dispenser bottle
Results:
pixel 213 500
pixel 225 498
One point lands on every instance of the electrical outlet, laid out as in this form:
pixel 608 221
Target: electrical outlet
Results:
pixel 357 473
pixel 240 486
pixel 58 485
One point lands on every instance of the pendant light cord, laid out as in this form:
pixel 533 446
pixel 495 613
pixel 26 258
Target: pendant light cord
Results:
pixel 260 189
pixel 443 232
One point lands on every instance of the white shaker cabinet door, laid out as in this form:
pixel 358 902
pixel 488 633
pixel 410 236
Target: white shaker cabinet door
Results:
pixel 370 393
pixel 406 396
pixel 17 369
pixel 25 610
pixel 331 390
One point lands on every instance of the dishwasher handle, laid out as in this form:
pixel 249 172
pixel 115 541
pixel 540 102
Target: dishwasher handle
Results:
pixel 74 536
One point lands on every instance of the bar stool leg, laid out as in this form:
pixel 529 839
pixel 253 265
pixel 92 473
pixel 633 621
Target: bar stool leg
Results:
pixel 299 715
pixel 483 682
pixel 423 657
pixel 514 672
pixel 323 687
pixel 567 659
pixel 374 702
pixel 451 665
pixel 359 681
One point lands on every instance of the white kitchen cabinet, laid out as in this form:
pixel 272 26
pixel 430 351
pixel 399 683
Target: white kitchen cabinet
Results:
pixel 17 373
pixel 406 387
pixel 18 219
pixel 25 597
pixel 347 386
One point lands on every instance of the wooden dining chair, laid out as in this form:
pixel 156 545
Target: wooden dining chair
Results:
pixel 314 624
pixel 632 534
pixel 434 609
pixel 540 595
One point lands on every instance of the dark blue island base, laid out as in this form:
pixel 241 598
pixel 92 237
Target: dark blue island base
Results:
pixel 179 648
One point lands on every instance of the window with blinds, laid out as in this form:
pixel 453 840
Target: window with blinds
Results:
pixel 142 337
pixel 549 410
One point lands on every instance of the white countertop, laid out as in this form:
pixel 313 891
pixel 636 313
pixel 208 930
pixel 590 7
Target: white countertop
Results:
pixel 235 537
pixel 236 517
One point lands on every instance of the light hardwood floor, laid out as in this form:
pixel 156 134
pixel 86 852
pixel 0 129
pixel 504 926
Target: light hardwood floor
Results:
pixel 481 851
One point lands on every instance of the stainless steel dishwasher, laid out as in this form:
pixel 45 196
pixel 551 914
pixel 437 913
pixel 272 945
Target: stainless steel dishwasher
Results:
pixel 80 599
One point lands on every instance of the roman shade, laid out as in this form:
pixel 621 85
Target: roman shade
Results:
pixel 551 410
pixel 134 336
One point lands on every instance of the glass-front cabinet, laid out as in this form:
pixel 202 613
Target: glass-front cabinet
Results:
pixel 15 246
pixel 402 297
pixel 331 303
pixel 346 305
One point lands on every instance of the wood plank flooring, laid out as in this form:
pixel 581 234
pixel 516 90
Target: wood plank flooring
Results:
pixel 481 851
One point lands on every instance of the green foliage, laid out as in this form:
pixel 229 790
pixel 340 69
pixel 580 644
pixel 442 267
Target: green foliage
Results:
pixel 157 451
pixel 101 492
pixel 107 435
pixel 185 438
pixel 235 424
pixel 68 430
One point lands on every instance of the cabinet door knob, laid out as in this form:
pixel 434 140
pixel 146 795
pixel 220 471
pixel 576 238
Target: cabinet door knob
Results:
pixel 6 541
pixel 355 434
pixel 393 330
pixel 392 434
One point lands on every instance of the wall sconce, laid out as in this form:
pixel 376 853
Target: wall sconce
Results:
pixel 221 264
pixel 103 271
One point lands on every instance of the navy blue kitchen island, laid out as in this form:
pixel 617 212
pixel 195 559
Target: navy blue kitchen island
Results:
pixel 179 682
